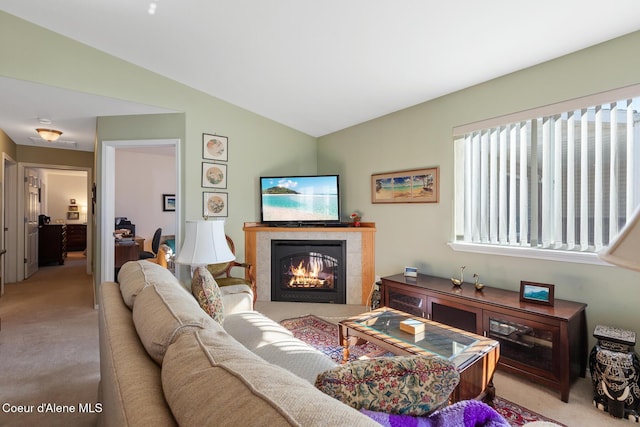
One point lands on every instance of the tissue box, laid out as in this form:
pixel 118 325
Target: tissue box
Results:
pixel 412 326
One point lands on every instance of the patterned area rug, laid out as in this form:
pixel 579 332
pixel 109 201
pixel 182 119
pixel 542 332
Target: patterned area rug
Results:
pixel 323 335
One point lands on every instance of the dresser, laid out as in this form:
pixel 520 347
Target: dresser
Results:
pixel 76 237
pixel 52 244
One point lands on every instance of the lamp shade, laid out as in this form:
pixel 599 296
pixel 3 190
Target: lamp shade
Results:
pixel 204 243
pixel 49 134
pixel 624 250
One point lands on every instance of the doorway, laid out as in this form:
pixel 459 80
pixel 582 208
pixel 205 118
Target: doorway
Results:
pixel 21 245
pixel 107 196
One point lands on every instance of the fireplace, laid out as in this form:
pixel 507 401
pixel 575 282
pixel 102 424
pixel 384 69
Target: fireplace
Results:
pixel 308 271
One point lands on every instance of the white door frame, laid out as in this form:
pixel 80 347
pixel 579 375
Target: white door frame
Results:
pixel 9 221
pixel 106 208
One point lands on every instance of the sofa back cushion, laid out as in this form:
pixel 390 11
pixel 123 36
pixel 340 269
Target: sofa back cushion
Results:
pixel 209 378
pixel 135 275
pixel 164 311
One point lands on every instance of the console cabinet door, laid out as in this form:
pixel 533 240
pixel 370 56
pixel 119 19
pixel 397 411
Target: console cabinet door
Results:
pixel 526 346
pixel 405 300
pixel 455 313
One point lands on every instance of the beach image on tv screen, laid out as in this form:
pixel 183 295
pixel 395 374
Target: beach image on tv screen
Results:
pixel 300 199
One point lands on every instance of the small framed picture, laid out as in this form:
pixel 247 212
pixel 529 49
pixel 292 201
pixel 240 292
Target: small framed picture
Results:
pixel 215 204
pixel 538 293
pixel 410 272
pixel 72 201
pixel 214 175
pixel 215 147
pixel 168 202
pixel 73 208
pixel 73 215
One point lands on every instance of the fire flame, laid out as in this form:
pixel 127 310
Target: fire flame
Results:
pixel 306 276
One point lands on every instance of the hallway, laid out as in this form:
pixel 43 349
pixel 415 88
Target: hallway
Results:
pixel 49 347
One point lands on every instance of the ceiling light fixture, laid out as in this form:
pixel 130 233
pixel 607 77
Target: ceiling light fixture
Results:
pixel 49 134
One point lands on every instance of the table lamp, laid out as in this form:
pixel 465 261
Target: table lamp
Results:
pixel 624 249
pixel 204 243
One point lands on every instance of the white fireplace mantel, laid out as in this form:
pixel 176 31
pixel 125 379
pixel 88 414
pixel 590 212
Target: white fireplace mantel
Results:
pixel 360 254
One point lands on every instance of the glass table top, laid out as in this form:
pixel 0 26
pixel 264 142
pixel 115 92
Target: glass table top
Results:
pixel 458 346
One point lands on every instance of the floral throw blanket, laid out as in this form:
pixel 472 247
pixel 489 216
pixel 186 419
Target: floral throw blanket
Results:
pixel 468 413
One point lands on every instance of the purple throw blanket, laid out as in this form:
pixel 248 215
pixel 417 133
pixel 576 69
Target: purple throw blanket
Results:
pixel 468 413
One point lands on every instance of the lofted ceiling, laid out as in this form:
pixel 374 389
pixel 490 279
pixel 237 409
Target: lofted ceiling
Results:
pixel 316 66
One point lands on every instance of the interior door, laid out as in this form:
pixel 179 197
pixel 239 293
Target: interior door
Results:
pixel 31 212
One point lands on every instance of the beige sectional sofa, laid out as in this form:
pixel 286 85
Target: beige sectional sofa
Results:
pixel 164 361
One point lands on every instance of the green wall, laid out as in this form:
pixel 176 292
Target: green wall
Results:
pixel 421 136
pixel 257 146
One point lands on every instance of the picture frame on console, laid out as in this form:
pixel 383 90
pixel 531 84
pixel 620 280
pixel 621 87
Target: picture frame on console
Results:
pixel 215 204
pixel 215 147
pixel 410 186
pixel 537 293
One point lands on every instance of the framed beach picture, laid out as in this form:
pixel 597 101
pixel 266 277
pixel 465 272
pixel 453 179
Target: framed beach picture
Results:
pixel 410 186
pixel 214 175
pixel 215 147
pixel 168 202
pixel 215 204
pixel 538 293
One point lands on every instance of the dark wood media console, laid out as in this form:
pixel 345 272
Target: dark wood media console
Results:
pixel 542 343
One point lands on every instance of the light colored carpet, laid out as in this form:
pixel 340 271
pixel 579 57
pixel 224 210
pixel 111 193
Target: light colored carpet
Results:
pixel 49 347
pixel 49 352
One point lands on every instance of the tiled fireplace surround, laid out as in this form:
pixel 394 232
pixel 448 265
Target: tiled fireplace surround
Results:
pixel 360 254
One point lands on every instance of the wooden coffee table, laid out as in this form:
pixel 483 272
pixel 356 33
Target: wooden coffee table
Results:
pixel 475 356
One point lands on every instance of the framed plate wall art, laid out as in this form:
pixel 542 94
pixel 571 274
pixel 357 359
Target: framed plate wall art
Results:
pixel 215 147
pixel 215 204
pixel 214 175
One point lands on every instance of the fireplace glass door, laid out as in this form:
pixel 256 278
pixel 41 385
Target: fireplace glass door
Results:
pixel 308 270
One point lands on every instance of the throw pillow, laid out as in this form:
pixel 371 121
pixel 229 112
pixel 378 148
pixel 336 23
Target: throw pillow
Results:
pixel 207 292
pixel 408 385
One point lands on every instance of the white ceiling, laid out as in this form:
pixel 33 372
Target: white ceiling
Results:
pixel 321 66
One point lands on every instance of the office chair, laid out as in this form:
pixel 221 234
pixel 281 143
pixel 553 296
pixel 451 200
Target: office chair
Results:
pixel 155 244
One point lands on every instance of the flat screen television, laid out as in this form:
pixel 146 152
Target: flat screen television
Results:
pixel 300 199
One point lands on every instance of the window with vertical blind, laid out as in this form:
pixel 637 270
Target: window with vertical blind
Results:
pixel 564 177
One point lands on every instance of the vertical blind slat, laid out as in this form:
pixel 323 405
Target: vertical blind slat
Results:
pixel 468 189
pixel 597 195
pixel 493 187
pixel 484 187
pixel 502 199
pixel 584 180
pixel 475 182
pixel 631 202
pixel 524 183
pixel 571 182
pixel 513 200
pixel 613 171
pixel 546 182
pixel 556 223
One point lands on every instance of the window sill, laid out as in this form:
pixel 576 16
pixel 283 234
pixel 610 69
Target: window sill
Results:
pixel 534 253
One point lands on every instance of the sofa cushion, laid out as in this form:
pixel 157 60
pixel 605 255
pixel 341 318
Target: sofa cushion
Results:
pixel 208 366
pixel 130 387
pixel 409 385
pixel 135 275
pixel 161 313
pixel 276 344
pixel 207 292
